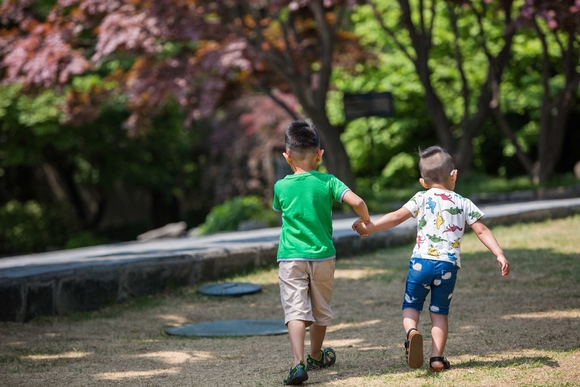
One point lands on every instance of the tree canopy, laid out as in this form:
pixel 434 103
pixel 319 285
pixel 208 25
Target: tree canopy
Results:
pixel 167 97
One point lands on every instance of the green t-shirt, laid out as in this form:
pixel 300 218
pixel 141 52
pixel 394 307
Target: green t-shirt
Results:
pixel 305 200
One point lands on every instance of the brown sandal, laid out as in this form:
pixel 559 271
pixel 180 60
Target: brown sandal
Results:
pixel 442 359
pixel 414 348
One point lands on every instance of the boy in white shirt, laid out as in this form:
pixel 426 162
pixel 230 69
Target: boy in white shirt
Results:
pixel 442 216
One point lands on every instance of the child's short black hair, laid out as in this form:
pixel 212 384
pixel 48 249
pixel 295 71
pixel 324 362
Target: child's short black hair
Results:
pixel 435 164
pixel 301 138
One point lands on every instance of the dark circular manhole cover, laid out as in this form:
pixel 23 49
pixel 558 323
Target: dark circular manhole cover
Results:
pixel 230 328
pixel 230 289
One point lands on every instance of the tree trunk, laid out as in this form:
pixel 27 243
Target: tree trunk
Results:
pixel 555 109
pixel 310 88
pixel 420 32
pixel 550 143
pixel 335 157
pixel 434 105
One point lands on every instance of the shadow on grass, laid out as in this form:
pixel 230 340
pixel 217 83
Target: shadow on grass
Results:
pixel 518 361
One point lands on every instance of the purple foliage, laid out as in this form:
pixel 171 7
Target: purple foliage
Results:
pixel 558 14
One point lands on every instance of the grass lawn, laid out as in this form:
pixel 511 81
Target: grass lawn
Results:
pixel 520 330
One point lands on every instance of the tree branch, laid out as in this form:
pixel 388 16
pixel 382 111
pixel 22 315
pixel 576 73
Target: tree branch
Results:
pixel 508 132
pixel 326 33
pixel 545 65
pixel 390 32
pixel 459 61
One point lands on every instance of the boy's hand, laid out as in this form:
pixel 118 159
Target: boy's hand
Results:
pixel 360 227
pixel 504 265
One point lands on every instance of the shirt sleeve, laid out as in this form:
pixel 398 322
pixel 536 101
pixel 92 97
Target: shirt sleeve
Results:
pixel 276 202
pixel 413 205
pixel 338 188
pixel 473 212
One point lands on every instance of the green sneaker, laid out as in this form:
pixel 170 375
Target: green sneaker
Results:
pixel 327 358
pixel 297 375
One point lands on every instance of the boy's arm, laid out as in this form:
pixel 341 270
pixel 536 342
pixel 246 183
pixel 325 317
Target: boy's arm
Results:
pixel 358 205
pixel 387 221
pixel 486 237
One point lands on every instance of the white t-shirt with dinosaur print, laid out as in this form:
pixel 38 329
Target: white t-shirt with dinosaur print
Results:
pixel 441 220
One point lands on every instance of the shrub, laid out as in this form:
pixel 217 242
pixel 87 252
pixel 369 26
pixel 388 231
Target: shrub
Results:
pixel 85 239
pixel 30 227
pixel 227 216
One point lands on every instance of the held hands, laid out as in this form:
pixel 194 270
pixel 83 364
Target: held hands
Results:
pixel 504 265
pixel 361 227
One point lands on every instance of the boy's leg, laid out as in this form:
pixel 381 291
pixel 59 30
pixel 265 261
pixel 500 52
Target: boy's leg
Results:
pixel 297 332
pixel 442 294
pixel 420 272
pixel 317 333
pixel 414 339
pixel 410 318
pixel 439 331
pixel 321 285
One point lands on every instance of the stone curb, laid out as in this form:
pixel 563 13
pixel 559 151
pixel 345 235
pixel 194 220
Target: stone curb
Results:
pixel 88 279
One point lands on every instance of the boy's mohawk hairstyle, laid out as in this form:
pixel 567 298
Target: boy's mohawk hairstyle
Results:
pixel 301 135
pixel 435 164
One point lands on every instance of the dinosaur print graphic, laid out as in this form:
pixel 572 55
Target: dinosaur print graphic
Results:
pixel 475 215
pixel 417 211
pixel 431 205
pixel 433 251
pixel 420 239
pixel 455 244
pixel 445 197
pixel 435 238
pixel 452 228
pixel 422 222
pixel 454 210
pixel 439 221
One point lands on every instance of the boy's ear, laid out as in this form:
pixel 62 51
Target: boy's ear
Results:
pixel 319 155
pixel 287 157
pixel 422 181
pixel 454 175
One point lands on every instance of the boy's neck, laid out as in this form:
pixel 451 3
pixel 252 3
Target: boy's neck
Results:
pixel 304 165
pixel 304 168
pixel 440 186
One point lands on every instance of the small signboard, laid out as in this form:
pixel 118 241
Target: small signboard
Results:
pixel 378 104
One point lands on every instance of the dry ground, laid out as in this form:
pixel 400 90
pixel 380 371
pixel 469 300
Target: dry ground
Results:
pixel 516 331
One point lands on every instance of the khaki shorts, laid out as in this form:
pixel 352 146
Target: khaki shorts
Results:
pixel 306 289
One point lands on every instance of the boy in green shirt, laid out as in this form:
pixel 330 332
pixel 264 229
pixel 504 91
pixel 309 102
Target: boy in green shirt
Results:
pixel 306 254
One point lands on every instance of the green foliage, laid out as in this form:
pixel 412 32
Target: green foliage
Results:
pixel 36 111
pixel 85 239
pixel 164 158
pixel 227 216
pixel 372 142
pixel 400 170
pixel 31 227
pixel 8 94
pixel 28 125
